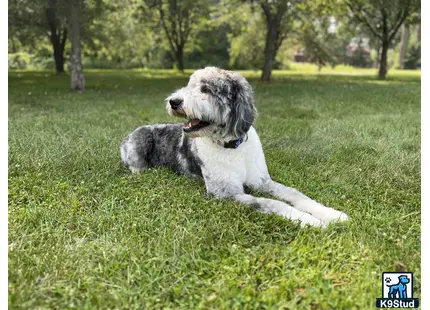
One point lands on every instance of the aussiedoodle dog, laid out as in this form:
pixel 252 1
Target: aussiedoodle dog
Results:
pixel 219 144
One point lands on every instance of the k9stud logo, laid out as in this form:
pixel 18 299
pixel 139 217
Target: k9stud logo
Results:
pixel 397 291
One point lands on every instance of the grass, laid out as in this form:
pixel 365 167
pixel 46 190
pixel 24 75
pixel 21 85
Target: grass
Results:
pixel 85 233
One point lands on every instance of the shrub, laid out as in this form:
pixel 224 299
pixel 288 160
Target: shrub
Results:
pixel 19 60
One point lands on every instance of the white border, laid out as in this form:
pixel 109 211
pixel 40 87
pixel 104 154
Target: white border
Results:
pixel 4 157
pixel 425 182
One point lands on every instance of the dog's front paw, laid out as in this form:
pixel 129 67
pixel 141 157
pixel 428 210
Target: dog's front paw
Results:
pixel 343 217
pixel 333 215
pixel 307 219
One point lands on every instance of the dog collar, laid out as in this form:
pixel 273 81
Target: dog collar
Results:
pixel 233 144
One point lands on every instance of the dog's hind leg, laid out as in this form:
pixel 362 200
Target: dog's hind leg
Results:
pixel 136 149
pixel 302 202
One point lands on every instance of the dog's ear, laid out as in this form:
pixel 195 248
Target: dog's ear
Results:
pixel 243 111
pixel 233 91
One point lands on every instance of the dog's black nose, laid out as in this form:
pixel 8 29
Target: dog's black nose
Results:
pixel 175 103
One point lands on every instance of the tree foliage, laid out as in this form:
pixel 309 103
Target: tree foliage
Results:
pixel 383 19
pixel 180 20
pixel 246 34
pixel 235 34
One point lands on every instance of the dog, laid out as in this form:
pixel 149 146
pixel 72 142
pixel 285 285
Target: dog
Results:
pixel 399 288
pixel 219 143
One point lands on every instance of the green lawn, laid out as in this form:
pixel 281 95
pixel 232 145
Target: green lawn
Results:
pixel 85 233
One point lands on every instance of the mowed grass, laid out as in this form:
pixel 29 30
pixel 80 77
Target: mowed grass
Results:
pixel 86 233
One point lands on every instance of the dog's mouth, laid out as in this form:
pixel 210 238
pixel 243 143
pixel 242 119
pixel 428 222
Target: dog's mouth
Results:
pixel 194 125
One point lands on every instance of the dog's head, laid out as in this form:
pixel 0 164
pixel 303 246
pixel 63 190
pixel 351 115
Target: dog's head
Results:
pixel 403 279
pixel 217 103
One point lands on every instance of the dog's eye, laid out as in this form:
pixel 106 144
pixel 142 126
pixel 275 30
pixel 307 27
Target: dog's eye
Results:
pixel 204 89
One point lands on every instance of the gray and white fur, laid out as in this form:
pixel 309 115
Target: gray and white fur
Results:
pixel 219 107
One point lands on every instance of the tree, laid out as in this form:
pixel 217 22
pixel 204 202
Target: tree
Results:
pixel 179 19
pixel 318 32
pixel 31 21
pixel 57 34
pixel 383 18
pixel 318 51
pixel 77 75
pixel 277 15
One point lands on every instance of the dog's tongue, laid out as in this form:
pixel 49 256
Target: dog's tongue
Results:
pixel 192 123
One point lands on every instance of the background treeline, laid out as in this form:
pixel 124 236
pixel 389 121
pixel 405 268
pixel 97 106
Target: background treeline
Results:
pixel 235 34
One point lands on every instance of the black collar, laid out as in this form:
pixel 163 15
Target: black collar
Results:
pixel 233 144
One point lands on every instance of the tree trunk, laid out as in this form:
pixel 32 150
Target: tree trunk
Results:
pixel 57 41
pixel 378 55
pixel 404 44
pixel 59 59
pixel 383 62
pixel 58 46
pixel 180 58
pixel 269 51
pixel 77 74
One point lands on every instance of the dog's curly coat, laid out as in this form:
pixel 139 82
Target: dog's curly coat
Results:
pixel 219 144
